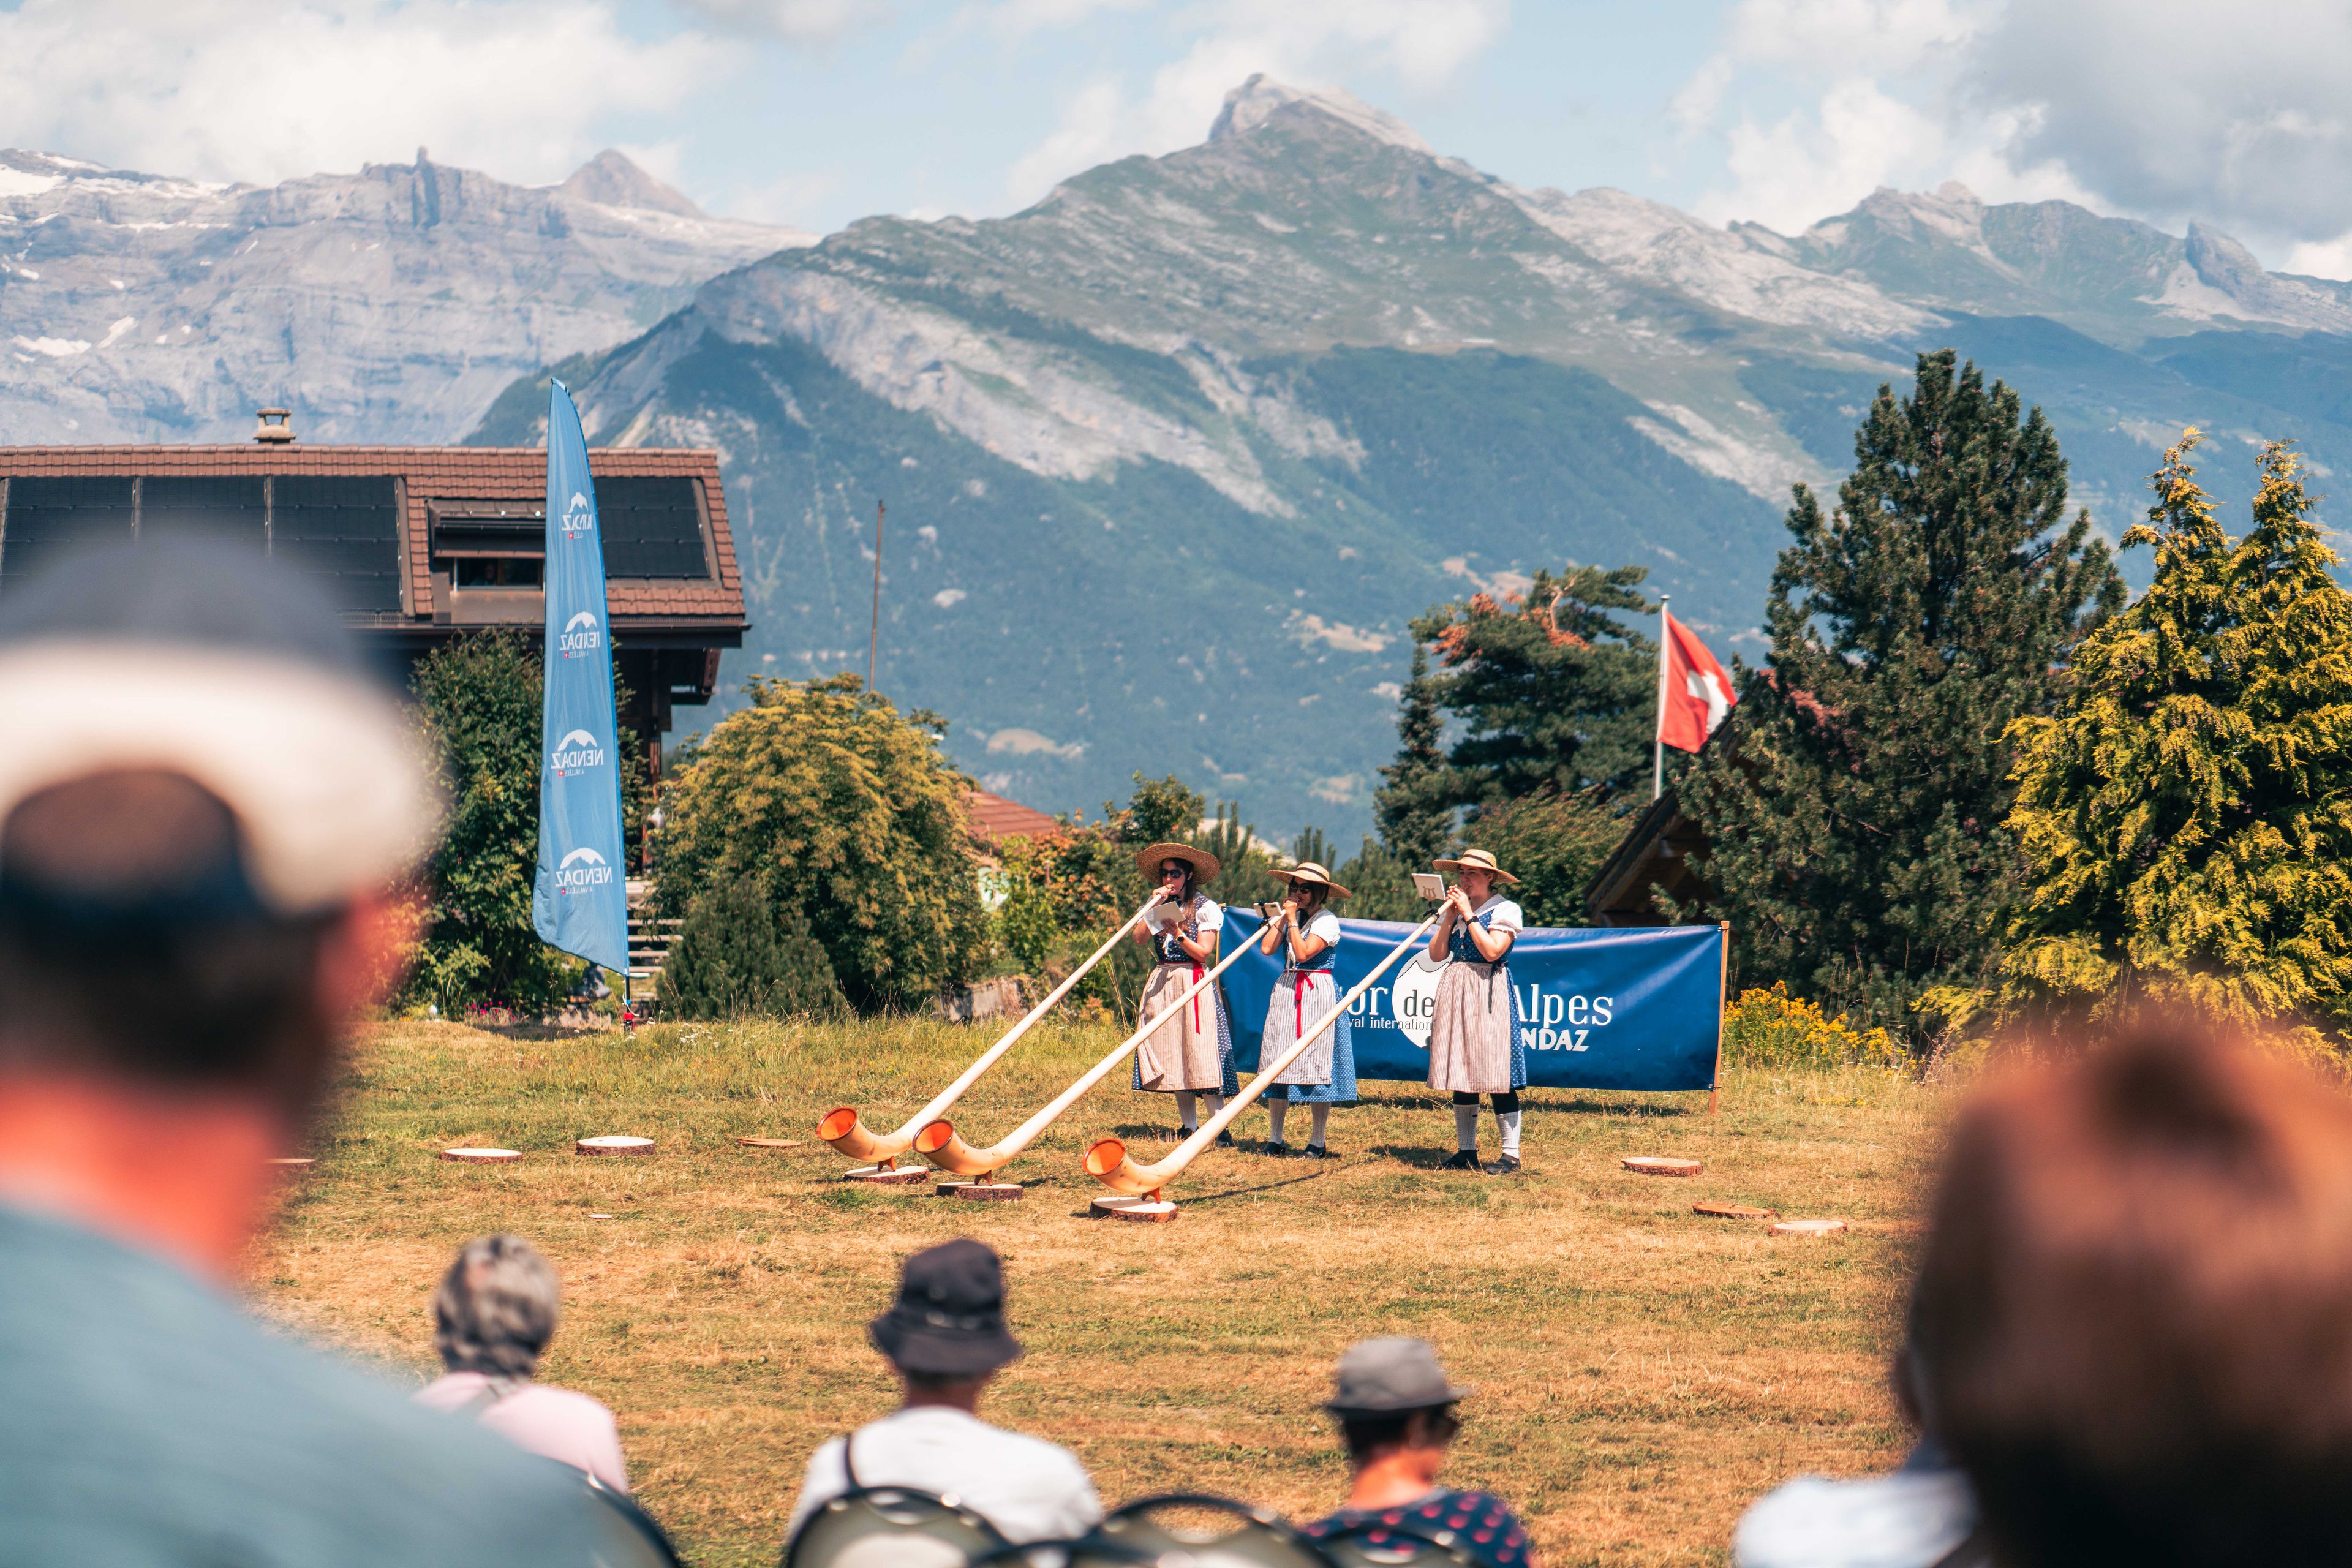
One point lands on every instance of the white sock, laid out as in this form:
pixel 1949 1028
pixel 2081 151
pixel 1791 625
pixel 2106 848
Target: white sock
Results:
pixel 1277 1111
pixel 1322 1114
pixel 1465 1128
pixel 1216 1102
pixel 1187 1111
pixel 1510 1121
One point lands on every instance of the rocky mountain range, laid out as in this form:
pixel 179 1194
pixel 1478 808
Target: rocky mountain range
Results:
pixel 1172 458
pixel 389 305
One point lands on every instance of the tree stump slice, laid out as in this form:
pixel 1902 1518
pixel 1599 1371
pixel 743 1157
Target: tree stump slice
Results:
pixel 1138 1211
pixel 613 1143
pixel 1734 1210
pixel 1809 1228
pixel 982 1192
pixel 772 1142
pixel 481 1156
pixel 1662 1166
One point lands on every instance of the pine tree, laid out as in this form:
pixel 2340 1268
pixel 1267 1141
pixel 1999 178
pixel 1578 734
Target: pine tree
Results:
pixel 1415 808
pixel 2187 812
pixel 740 954
pixel 1856 822
pixel 1553 690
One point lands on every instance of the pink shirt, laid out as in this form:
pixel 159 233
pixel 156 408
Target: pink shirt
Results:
pixel 555 1422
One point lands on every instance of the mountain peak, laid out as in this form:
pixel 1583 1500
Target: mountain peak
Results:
pixel 611 179
pixel 1261 98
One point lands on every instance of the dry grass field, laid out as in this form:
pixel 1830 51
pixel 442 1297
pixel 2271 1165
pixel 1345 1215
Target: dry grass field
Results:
pixel 1641 1373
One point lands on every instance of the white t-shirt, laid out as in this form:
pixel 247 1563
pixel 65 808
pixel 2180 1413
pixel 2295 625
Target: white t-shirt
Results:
pixel 553 1422
pixel 1029 1488
pixel 1207 915
pixel 1326 925
pixel 1507 913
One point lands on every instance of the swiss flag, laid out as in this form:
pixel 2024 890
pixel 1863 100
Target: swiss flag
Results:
pixel 1694 692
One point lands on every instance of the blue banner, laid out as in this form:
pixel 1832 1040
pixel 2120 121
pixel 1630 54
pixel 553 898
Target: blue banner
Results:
pixel 580 900
pixel 1630 1008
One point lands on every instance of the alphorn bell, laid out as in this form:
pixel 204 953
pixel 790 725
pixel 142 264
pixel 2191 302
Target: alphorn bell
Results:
pixel 939 1142
pixel 1107 1161
pixel 846 1130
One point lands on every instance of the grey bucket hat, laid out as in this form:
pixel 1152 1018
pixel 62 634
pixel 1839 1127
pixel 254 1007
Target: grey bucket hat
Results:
pixel 1389 1376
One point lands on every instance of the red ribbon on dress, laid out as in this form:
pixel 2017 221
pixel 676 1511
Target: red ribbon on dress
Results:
pixel 1196 1000
pixel 1297 1003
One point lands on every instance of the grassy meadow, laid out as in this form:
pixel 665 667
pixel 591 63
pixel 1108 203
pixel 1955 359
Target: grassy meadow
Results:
pixel 1641 1373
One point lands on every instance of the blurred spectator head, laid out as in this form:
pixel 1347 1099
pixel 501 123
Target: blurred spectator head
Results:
pixel 947 1325
pixel 1391 1395
pixel 497 1309
pixel 2133 1321
pixel 203 798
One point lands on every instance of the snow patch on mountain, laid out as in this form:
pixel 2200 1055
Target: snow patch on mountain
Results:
pixel 1760 470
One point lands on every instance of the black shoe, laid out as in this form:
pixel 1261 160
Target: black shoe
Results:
pixel 1315 1151
pixel 1465 1161
pixel 1225 1139
pixel 1508 1165
pixel 1276 1148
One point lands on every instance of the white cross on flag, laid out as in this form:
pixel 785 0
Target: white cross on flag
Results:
pixel 1694 692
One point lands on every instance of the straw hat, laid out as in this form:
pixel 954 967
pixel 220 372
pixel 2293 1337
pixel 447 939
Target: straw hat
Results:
pixel 1204 865
pixel 1308 871
pixel 1476 860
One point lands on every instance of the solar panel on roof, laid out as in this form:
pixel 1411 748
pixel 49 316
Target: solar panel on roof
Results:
pixel 344 528
pixel 652 527
pixel 48 514
pixel 209 506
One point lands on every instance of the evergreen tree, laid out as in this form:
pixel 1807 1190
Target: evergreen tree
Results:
pixel 1857 820
pixel 741 954
pixel 2187 812
pixel 1415 807
pixel 1553 843
pixel 1380 885
pixel 1553 690
pixel 1161 811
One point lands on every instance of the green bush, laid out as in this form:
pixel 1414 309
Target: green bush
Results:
pixel 740 954
pixel 1553 844
pixel 477 701
pixel 852 819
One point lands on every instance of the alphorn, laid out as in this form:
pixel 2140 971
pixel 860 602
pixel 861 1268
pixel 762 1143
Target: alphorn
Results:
pixel 939 1142
pixel 1107 1161
pixel 846 1130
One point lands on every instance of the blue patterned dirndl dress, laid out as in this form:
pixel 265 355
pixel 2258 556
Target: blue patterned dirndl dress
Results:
pixel 1176 971
pixel 1303 993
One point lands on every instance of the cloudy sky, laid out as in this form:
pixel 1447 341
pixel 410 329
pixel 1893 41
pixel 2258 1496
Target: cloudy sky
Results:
pixel 817 111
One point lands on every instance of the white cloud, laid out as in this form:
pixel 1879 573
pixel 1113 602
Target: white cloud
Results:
pixel 232 89
pixel 2185 108
pixel 797 21
pixel 2164 109
pixel 1422 45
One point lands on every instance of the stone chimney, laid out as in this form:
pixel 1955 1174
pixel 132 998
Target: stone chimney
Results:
pixel 277 427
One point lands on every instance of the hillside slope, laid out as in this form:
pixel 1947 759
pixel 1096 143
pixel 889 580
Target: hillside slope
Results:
pixel 389 305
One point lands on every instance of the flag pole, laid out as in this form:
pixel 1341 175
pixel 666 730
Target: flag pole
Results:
pixel 1658 746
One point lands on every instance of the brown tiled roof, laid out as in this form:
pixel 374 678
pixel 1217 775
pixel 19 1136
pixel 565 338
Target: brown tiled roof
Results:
pixel 461 473
pixel 994 818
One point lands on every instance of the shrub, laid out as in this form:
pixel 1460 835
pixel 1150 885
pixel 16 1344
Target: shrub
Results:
pixel 1553 844
pixel 852 820
pixel 1774 1029
pixel 740 953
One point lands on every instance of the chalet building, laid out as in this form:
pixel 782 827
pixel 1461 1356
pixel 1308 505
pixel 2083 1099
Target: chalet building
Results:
pixel 1653 857
pixel 420 544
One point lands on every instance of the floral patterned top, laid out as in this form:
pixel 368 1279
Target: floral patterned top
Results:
pixel 1476 1523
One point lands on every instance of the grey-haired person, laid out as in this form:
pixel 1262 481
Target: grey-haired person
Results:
pixel 493 1318
pixel 946 1339
pixel 1397 1414
pixel 206 803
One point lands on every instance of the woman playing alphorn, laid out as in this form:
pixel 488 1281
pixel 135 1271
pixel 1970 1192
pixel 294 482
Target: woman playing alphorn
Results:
pixel 1191 1055
pixel 1475 1041
pixel 1308 934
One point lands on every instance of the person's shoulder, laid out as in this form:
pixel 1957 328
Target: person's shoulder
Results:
pixel 1507 911
pixel 1325 923
pixel 148 1374
pixel 1907 1520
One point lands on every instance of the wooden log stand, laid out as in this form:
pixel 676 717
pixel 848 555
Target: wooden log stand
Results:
pixel 1662 1166
pixel 889 1173
pixel 1149 1209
